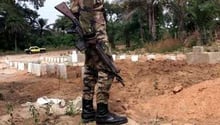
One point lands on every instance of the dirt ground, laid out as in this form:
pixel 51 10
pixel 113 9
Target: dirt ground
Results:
pixel 161 92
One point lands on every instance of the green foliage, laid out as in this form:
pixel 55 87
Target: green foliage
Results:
pixel 36 3
pixel 203 15
pixel 133 23
pixel 70 110
pixel 10 110
pixel 58 40
pixel 35 114
pixel 62 23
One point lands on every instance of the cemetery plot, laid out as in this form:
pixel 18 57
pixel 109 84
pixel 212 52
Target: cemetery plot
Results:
pixel 159 90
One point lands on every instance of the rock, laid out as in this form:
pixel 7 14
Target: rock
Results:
pixel 177 89
pixel 78 103
pixel 151 57
pixel 118 100
pixel 62 104
pixel 55 109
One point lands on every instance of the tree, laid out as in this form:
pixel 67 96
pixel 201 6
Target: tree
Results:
pixel 176 14
pixel 14 26
pixel 62 23
pixel 113 16
pixel 36 3
pixel 41 23
pixel 13 23
pixel 203 15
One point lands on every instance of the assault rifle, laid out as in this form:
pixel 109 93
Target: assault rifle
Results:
pixel 81 44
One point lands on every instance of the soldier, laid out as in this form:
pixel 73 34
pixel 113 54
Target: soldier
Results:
pixel 91 16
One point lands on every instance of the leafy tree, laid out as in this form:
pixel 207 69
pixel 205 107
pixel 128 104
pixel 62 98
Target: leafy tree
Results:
pixel 13 23
pixel 14 26
pixel 203 14
pixel 113 17
pixel 62 24
pixel 36 3
pixel 41 23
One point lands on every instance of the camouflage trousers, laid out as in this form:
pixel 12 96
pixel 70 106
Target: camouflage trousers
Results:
pixel 93 24
pixel 96 75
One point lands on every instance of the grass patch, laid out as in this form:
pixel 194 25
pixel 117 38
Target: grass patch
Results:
pixel 169 45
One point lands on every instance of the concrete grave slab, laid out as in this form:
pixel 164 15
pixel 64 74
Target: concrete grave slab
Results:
pixel 61 71
pixel 134 58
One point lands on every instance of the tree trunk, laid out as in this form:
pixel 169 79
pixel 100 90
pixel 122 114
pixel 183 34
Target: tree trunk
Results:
pixel 127 39
pixel 111 40
pixel 181 18
pixel 141 31
pixel 149 18
pixel 16 46
pixel 153 30
pixel 41 32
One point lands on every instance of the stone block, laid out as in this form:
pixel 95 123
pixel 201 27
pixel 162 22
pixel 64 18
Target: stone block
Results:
pixel 61 71
pixel 25 66
pixel 81 57
pixel 61 60
pixel 134 58
pixel 16 65
pixel 51 69
pixel 205 57
pixel 114 57
pixel 20 66
pixel 74 57
pixel 193 58
pixel 58 60
pixel 29 67
pixel 151 57
pixel 214 57
pixel 170 57
pixel 36 69
pixel 198 49
pixel 121 57
pixel 46 59
pixel 42 58
pixel 7 61
pixel 50 59
pixel 11 64
pixel 43 69
pixel 65 59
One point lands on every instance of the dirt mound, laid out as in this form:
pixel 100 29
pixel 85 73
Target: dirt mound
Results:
pixel 152 80
pixel 147 98
pixel 197 104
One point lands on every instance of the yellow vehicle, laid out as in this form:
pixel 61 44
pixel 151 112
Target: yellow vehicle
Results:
pixel 35 49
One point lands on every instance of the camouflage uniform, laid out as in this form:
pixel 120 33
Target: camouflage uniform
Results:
pixel 93 21
pixel 96 72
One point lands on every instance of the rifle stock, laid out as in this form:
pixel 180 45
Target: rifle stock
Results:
pixel 62 7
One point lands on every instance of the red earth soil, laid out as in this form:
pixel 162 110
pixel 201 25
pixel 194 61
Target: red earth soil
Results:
pixel 147 98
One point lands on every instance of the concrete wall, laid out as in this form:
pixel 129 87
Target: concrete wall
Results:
pixel 199 56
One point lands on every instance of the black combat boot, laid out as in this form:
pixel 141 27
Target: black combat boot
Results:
pixel 104 117
pixel 88 112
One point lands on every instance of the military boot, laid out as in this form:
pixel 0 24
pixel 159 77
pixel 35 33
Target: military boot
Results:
pixel 104 117
pixel 88 112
